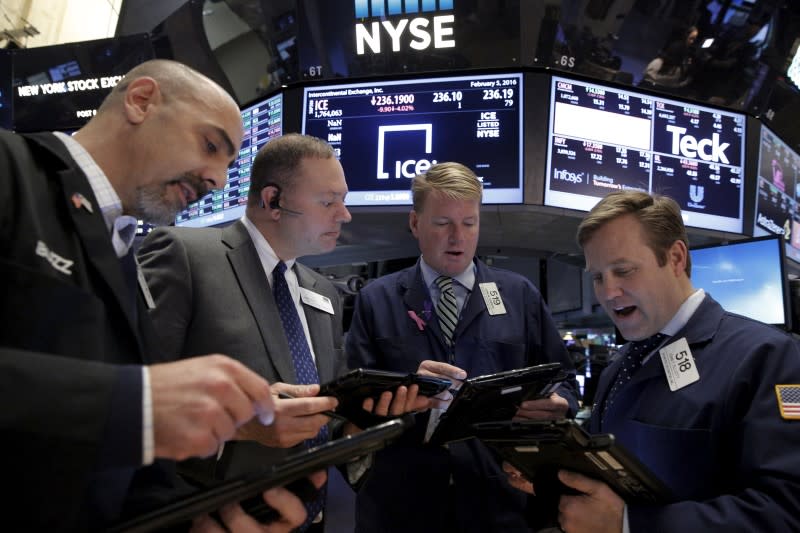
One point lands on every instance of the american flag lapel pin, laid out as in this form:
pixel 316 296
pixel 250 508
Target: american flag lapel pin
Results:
pixel 79 200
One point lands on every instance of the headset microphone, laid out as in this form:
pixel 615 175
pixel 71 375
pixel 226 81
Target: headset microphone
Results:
pixel 275 203
pixel 287 210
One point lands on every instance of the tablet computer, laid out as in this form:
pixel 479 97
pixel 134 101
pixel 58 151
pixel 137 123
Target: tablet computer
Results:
pixel 494 397
pixel 539 449
pixel 250 487
pixel 353 388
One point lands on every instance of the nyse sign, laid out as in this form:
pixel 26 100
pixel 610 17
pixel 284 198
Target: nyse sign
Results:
pixel 417 33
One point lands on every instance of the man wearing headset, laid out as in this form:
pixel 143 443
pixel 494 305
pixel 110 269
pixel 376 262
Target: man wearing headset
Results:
pixel 214 287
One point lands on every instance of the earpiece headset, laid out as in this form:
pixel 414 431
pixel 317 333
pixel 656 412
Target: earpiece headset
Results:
pixel 274 203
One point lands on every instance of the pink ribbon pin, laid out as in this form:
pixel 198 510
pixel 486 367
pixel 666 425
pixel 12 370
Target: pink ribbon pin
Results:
pixel 418 320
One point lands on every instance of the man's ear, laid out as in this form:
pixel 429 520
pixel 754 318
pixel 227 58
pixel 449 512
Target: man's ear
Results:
pixel 269 196
pixel 413 221
pixel 677 256
pixel 140 96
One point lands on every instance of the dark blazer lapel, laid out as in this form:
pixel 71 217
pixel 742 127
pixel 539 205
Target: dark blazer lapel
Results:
pixel 93 233
pixel 417 298
pixel 475 304
pixel 250 274
pixel 653 367
pixel 319 328
pixel 607 378
pixel 695 332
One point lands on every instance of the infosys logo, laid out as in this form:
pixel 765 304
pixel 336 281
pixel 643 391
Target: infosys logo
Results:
pixel 416 30
pixel 566 175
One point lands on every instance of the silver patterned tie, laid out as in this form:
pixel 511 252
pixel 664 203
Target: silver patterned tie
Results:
pixel 446 308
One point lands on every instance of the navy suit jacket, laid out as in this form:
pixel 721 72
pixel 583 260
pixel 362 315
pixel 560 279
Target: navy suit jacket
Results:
pixel 407 487
pixel 720 443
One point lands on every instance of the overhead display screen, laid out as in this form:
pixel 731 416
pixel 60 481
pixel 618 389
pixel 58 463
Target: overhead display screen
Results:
pixel 385 133
pixel 60 87
pixel 777 193
pixel 262 122
pixel 604 139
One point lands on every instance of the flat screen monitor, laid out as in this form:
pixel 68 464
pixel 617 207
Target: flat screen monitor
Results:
pixel 746 277
pixel 262 121
pixel 60 87
pixel 387 132
pixel 603 139
pixel 777 192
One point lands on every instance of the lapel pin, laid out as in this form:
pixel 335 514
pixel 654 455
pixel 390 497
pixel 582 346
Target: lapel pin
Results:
pixel 79 200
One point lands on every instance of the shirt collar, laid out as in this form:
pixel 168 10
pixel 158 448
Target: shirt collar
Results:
pixel 465 279
pixel 685 312
pixel 269 259
pixel 122 227
pixel 109 203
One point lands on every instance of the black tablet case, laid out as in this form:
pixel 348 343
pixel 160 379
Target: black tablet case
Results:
pixel 539 449
pixel 354 387
pixel 293 468
pixel 494 397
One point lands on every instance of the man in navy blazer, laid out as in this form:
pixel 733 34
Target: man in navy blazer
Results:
pixel 84 405
pixel 712 410
pixel 413 486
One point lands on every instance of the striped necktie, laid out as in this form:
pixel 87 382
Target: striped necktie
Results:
pixel 446 308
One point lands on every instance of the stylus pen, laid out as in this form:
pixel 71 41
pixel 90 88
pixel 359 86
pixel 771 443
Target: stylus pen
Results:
pixel 287 396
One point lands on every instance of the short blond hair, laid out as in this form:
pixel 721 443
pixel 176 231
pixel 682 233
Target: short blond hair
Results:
pixel 660 217
pixel 451 179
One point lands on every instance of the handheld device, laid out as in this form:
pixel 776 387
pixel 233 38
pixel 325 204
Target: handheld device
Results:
pixel 493 397
pixel 249 487
pixel 539 449
pixel 357 385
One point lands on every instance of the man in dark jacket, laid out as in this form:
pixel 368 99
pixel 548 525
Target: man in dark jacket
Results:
pixel 451 316
pixel 710 406
pixel 84 405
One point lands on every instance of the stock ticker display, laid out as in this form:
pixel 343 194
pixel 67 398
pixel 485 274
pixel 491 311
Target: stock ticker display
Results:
pixel 262 122
pixel 777 192
pixel 603 139
pixel 385 133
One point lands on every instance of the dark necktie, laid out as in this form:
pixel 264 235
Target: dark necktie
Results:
pixel 637 351
pixel 304 365
pixel 446 308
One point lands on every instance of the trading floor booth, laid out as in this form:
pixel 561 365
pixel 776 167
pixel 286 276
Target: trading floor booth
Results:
pixel 553 104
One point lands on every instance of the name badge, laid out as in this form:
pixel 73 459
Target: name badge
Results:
pixel 316 300
pixel 679 364
pixel 494 303
pixel 148 298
